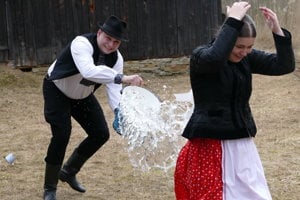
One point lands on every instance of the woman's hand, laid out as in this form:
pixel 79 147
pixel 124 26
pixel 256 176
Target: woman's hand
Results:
pixel 135 80
pixel 271 20
pixel 238 10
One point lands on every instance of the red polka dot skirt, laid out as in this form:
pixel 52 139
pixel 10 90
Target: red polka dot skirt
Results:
pixel 198 174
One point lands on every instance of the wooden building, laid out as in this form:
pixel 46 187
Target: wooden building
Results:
pixel 34 31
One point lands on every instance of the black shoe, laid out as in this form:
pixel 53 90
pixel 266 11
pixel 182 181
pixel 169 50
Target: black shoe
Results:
pixel 71 168
pixel 70 178
pixel 49 194
pixel 51 180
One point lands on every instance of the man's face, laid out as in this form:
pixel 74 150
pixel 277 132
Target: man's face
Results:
pixel 242 48
pixel 106 43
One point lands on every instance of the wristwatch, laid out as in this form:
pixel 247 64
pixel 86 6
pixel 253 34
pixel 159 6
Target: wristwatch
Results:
pixel 118 78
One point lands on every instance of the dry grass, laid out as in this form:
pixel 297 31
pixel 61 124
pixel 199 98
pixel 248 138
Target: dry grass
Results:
pixel 108 175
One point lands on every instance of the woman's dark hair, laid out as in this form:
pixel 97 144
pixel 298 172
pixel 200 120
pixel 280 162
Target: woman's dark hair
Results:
pixel 248 29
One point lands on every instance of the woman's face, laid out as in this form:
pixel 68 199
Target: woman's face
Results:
pixel 242 48
pixel 106 43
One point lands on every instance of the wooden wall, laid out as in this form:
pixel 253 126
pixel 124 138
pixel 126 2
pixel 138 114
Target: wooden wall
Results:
pixel 34 31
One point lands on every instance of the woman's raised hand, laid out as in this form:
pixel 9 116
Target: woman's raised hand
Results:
pixel 271 20
pixel 238 10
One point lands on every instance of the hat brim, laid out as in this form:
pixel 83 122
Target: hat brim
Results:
pixel 123 39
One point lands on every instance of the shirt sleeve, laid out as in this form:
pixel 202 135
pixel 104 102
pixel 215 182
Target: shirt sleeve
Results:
pixel 82 53
pixel 113 90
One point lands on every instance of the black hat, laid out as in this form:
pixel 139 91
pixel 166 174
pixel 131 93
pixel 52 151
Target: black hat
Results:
pixel 114 27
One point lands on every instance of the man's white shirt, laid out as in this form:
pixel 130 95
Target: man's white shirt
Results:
pixel 82 53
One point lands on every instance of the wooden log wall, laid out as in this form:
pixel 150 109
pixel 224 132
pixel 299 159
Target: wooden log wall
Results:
pixel 34 31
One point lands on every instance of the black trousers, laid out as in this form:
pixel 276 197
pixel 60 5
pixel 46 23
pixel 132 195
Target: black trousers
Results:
pixel 58 110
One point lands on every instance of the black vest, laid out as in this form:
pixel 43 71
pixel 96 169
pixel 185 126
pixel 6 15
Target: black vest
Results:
pixel 65 65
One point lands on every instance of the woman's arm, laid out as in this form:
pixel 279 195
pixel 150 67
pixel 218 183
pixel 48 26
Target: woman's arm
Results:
pixel 271 20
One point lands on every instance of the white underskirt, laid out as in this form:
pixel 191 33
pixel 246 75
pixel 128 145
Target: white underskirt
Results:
pixel 243 174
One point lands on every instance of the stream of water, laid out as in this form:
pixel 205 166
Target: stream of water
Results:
pixel 153 128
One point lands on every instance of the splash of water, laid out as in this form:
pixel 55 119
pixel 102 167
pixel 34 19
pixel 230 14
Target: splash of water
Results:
pixel 152 128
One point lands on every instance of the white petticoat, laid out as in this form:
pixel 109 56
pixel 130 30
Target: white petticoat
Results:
pixel 243 174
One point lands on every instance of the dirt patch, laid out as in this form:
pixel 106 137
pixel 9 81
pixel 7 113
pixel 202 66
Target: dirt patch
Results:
pixel 108 175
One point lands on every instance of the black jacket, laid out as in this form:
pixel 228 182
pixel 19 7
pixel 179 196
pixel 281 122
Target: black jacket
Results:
pixel 222 89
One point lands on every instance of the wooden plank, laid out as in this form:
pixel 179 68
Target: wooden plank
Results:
pixel 195 23
pixel 10 40
pixel 92 16
pixel 166 36
pixel 122 10
pixel 17 30
pixel 83 16
pixel 42 30
pixel 187 17
pixel 80 17
pixel 103 9
pixel 29 35
pixel 132 48
pixel 144 14
pixel 3 33
pixel 3 25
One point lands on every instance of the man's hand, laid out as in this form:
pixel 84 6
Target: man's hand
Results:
pixel 135 80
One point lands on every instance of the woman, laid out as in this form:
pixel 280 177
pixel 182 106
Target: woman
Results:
pixel 220 159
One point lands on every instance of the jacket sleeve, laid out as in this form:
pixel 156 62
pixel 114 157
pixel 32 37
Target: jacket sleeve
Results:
pixel 279 63
pixel 209 58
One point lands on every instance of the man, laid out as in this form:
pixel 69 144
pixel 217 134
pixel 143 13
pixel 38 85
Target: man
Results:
pixel 87 62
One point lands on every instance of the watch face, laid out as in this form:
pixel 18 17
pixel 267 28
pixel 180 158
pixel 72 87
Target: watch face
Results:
pixel 118 78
